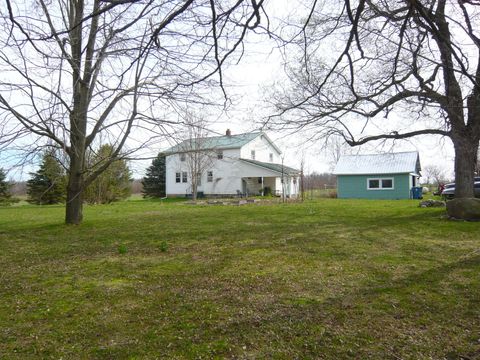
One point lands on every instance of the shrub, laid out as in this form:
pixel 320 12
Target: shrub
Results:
pixel 332 194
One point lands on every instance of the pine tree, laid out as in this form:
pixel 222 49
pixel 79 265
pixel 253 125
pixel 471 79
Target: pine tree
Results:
pixel 47 185
pixel 5 196
pixel 111 185
pixel 154 181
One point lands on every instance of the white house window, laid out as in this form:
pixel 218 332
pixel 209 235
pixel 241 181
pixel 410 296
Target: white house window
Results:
pixel 380 184
pixel 209 176
pixel 252 154
pixel 184 177
pixel 271 157
pixel 177 177
pixel 220 154
pixel 199 179
pixel 182 157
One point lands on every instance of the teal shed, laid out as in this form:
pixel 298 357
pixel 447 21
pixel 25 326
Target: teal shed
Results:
pixel 378 176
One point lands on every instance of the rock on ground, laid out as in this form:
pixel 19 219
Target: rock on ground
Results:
pixel 464 209
pixel 431 203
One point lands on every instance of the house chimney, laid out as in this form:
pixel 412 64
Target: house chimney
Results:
pixel 229 133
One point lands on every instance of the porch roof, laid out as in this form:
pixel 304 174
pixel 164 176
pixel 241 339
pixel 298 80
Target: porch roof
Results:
pixel 279 168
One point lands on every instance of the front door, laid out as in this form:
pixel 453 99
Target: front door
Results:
pixel 244 187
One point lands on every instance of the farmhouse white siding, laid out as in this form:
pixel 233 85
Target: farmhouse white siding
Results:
pixel 249 163
pixel 226 179
pixel 263 148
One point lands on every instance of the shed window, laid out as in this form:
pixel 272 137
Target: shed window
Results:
pixel 373 184
pixel 387 183
pixel 380 184
pixel 177 177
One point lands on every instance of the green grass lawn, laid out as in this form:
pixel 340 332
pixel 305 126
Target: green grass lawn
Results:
pixel 327 279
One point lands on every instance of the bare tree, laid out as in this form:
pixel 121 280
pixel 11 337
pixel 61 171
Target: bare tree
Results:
pixel 195 151
pixel 79 73
pixel 336 147
pixel 434 173
pixel 383 70
pixel 302 177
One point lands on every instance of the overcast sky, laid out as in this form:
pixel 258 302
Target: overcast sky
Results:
pixel 260 67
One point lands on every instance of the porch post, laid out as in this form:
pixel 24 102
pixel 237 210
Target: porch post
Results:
pixel 262 187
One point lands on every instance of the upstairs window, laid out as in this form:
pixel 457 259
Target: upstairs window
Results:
pixel 209 176
pixel 271 157
pixel 219 154
pixel 182 157
pixel 252 154
pixel 380 184
pixel 177 177
pixel 184 177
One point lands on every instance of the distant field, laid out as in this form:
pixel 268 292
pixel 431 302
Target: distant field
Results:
pixel 328 279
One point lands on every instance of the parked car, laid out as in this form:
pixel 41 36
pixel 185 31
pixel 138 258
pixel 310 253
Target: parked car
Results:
pixel 449 190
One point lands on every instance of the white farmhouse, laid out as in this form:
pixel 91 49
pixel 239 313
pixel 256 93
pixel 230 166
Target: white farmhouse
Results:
pixel 243 164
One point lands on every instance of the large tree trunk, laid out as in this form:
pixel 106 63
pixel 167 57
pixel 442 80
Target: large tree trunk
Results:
pixel 465 160
pixel 76 183
pixel 74 210
pixel 78 119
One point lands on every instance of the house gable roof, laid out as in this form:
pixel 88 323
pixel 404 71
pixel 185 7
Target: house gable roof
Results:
pixel 388 163
pixel 279 168
pixel 219 142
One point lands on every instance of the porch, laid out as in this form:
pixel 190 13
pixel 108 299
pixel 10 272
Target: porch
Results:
pixel 268 185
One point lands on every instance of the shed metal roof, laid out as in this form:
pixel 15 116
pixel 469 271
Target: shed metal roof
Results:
pixel 219 142
pixel 388 163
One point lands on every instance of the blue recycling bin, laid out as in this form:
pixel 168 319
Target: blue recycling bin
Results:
pixel 416 192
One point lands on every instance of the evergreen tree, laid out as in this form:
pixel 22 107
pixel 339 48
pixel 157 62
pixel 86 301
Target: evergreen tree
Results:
pixel 154 181
pixel 5 196
pixel 113 184
pixel 47 185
